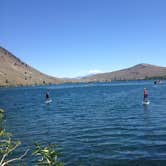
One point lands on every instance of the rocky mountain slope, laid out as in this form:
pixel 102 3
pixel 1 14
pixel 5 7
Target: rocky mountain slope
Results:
pixel 14 72
pixel 138 72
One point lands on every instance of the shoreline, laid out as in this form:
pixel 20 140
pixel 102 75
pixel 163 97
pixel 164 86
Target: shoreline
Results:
pixel 76 82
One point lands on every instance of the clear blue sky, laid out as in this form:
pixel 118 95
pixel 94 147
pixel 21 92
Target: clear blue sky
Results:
pixel 68 38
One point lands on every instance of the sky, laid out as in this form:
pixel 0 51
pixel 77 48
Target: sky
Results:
pixel 70 38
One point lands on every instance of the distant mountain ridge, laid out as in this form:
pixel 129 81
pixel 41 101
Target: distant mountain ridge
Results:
pixel 14 72
pixel 138 72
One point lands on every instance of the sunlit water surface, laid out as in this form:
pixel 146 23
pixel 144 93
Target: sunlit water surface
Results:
pixel 92 124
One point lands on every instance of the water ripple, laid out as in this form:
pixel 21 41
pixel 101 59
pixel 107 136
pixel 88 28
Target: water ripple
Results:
pixel 93 124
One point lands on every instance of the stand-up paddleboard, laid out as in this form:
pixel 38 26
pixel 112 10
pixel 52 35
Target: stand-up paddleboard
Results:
pixel 146 102
pixel 48 101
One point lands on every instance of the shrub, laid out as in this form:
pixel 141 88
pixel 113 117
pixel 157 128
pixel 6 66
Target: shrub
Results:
pixel 47 156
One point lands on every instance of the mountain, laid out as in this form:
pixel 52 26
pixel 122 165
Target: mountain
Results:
pixel 14 72
pixel 137 72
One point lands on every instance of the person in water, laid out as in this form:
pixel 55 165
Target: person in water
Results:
pixel 47 95
pixel 145 95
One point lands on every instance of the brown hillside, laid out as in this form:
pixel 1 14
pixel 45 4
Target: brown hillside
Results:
pixel 15 72
pixel 138 72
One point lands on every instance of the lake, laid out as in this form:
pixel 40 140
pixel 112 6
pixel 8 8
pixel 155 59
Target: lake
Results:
pixel 92 124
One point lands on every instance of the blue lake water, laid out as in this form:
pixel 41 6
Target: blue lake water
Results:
pixel 92 124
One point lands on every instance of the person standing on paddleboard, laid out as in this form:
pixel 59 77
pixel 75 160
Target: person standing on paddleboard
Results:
pixel 47 95
pixel 145 95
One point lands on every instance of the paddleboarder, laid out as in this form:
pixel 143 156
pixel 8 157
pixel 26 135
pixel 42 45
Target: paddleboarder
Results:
pixel 47 95
pixel 145 95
